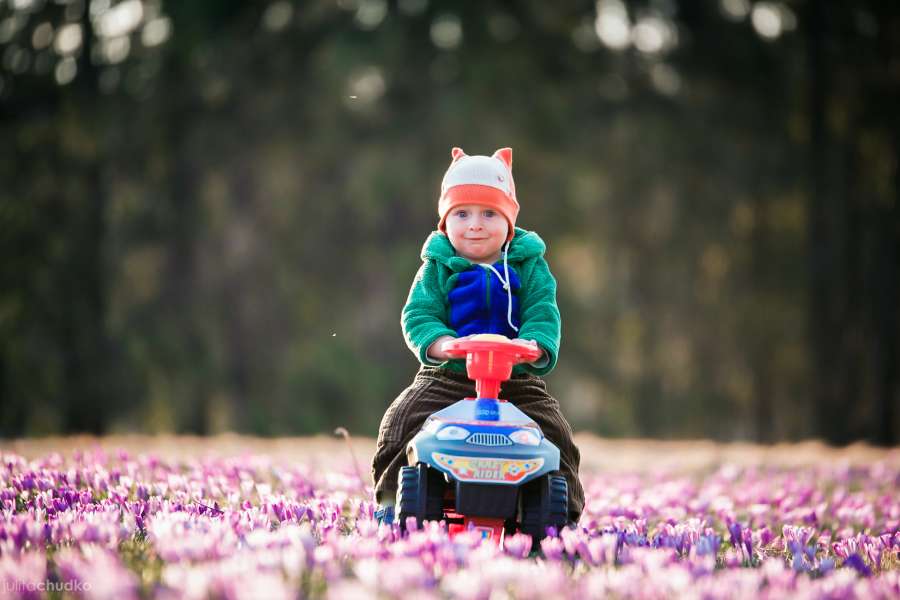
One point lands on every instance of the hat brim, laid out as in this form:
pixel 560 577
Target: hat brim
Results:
pixel 483 195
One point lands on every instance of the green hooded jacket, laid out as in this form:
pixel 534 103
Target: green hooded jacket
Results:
pixel 425 316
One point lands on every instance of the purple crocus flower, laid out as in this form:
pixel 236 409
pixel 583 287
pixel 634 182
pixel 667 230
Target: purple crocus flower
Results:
pixel 826 565
pixel 734 529
pixel 856 562
pixel 517 545
pixel 552 548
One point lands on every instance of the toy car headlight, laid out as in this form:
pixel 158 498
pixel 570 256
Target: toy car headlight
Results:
pixel 452 432
pixel 526 437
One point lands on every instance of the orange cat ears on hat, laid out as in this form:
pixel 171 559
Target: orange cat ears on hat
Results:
pixel 485 180
pixel 504 154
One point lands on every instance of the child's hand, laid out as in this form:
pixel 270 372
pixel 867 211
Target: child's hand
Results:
pixel 543 358
pixel 434 350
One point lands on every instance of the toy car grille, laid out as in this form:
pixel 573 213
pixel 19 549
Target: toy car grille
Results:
pixel 489 439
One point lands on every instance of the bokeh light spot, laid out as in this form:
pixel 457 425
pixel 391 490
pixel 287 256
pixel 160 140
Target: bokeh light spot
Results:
pixel 584 37
pixel 653 35
pixel 446 32
pixel 156 32
pixel 735 10
pixel 366 86
pixel 65 71
pixel 612 24
pixel 9 27
pixel 98 7
pixel 42 36
pixel 16 59
pixel 120 20
pixel 766 20
pixel 277 16
pixel 371 13
pixel 115 50
pixel 68 39
pixel 665 79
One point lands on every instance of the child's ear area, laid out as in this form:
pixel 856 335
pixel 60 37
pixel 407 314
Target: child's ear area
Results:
pixel 504 154
pixel 457 153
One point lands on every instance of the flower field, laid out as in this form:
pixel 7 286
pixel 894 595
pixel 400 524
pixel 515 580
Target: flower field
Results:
pixel 243 518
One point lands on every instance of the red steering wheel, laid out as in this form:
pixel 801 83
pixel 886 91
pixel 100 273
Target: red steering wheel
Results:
pixel 490 358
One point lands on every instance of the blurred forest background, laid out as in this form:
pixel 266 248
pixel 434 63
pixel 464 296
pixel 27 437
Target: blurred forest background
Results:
pixel 211 210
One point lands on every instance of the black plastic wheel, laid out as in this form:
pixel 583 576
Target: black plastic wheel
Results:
pixel 545 503
pixel 420 494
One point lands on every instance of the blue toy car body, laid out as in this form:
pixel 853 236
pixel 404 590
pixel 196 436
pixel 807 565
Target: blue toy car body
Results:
pixel 483 463
pixel 509 451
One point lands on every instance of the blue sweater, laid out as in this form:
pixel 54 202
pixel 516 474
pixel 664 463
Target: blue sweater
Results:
pixel 479 304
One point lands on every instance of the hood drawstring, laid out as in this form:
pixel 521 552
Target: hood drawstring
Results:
pixel 506 284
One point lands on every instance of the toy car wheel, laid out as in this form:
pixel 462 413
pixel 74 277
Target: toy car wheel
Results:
pixel 545 503
pixel 420 494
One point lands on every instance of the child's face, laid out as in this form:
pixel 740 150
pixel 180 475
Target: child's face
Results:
pixel 477 232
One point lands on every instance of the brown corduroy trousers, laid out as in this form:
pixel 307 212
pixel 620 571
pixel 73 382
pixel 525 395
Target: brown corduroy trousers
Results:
pixel 433 389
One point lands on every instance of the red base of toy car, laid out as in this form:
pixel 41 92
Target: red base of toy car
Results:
pixel 490 529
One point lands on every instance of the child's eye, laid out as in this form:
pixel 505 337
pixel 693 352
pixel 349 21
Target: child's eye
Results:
pixel 462 214
pixel 489 213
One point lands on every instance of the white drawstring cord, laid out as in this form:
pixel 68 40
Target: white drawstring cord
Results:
pixel 506 285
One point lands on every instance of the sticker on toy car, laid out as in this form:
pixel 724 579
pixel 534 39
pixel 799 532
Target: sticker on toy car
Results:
pixel 487 470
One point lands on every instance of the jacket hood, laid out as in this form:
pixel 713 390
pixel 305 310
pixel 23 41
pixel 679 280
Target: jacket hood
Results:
pixel 525 244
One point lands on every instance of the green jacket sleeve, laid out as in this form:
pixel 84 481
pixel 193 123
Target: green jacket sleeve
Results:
pixel 540 315
pixel 423 317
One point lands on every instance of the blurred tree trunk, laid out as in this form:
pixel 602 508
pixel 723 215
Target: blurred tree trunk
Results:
pixel 823 329
pixel 84 341
pixel 886 306
pixel 854 230
pixel 238 331
pixel 760 354
pixel 89 384
pixel 849 292
pixel 888 231
pixel 886 301
pixel 180 290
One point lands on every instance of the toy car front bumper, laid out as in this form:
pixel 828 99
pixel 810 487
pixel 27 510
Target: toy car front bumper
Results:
pixel 467 463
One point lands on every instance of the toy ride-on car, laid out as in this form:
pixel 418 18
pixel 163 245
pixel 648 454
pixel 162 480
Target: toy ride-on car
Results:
pixel 482 463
